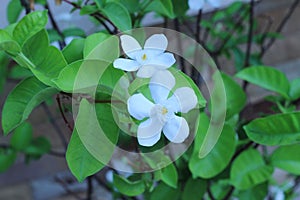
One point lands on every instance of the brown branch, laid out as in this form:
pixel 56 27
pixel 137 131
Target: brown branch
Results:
pixel 288 15
pixel 62 113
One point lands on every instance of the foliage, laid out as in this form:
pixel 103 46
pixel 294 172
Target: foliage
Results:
pixel 236 161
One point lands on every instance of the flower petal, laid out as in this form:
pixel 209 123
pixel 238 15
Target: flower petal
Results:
pixel 176 129
pixel 183 100
pixel 149 132
pixel 130 46
pixel 196 4
pixel 126 64
pixel 160 85
pixel 162 61
pixel 146 71
pixel 157 42
pixel 139 106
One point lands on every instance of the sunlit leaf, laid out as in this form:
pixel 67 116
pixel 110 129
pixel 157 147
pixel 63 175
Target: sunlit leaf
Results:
pixel 22 100
pixel 279 129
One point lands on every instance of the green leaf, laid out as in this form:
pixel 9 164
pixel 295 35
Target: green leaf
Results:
pixel 118 14
pixel 258 192
pixel 36 48
pixel 88 10
pixel 81 163
pixel 267 78
pixel 163 191
pixel 18 72
pixel 74 50
pixel 38 147
pixel 22 100
pixel 21 137
pixel 279 129
pixel 8 44
pixel 194 189
pixel 30 25
pixel 287 158
pixel 73 32
pixel 180 7
pixel 162 7
pixel 219 157
pixel 98 134
pixel 14 9
pixel 249 169
pixel 131 5
pixel 169 175
pixel 45 62
pixel 4 61
pixel 295 89
pixel 235 96
pixel 129 188
pixel 7 159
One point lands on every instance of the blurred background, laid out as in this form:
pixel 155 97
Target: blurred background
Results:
pixel 49 177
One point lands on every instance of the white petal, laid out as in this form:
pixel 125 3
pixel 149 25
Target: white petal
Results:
pixel 162 61
pixel 176 129
pixel 126 64
pixel 149 132
pixel 157 42
pixel 139 106
pixel 130 46
pixel 146 71
pixel 160 85
pixel 196 4
pixel 183 100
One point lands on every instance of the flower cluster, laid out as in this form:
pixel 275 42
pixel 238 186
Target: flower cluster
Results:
pixel 159 116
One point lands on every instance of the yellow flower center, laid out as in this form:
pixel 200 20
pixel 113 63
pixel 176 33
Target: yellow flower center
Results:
pixel 164 111
pixel 144 57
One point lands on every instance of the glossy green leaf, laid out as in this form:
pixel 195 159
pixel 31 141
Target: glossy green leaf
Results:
pixel 81 163
pixel 4 61
pixel 45 62
pixel 36 48
pixel 21 137
pixel 128 188
pixel 169 175
pixel 287 158
pixel 22 100
pixel 18 72
pixel 180 7
pixel 194 189
pixel 74 50
pixel 73 32
pixel 97 136
pixel 30 25
pixel 118 14
pixel 7 159
pixel 131 5
pixel 8 44
pixel 38 147
pixel 266 77
pixel 14 9
pixel 162 7
pixel 163 191
pixel 249 169
pixel 258 192
pixel 279 129
pixel 295 89
pixel 220 156
pixel 235 96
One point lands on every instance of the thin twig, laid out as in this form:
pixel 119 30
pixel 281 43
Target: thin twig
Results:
pixel 55 125
pixel 63 113
pixel 66 188
pixel 289 13
pixel 89 188
pixel 209 192
pixel 198 26
pixel 62 42
pixel 57 154
pixel 26 5
pixel 179 43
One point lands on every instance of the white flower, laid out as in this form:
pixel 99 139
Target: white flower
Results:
pixel 146 60
pixel 161 115
pixel 199 4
